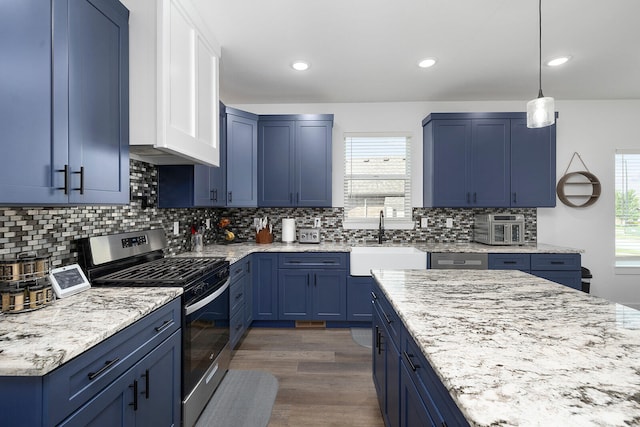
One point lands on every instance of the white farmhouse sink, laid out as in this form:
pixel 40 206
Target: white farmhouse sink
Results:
pixel 367 258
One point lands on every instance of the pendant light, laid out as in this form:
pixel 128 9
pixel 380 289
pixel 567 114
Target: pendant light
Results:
pixel 540 111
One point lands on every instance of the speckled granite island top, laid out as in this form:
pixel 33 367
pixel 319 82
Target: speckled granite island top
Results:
pixel 235 251
pixel 517 350
pixel 35 343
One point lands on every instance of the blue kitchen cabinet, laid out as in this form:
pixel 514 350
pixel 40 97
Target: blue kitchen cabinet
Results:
pixel 242 158
pixel 265 286
pixel 533 165
pixel 562 268
pixel 65 117
pixel 386 363
pixel 294 160
pixel 240 299
pixel 195 186
pixel 359 298
pixel 143 396
pixel 312 286
pixel 409 392
pixel 487 160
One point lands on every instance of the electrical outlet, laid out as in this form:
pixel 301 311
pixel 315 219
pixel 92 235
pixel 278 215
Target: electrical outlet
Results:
pixel 207 223
pixel 316 223
pixel 176 228
pixel 424 222
pixel 449 222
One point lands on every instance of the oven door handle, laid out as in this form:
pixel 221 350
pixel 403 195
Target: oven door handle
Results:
pixel 198 305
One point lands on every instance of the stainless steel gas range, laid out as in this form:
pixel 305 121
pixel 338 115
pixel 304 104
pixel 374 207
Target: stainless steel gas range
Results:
pixel 137 259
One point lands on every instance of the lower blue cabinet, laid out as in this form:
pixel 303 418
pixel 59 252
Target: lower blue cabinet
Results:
pixel 240 299
pixel 386 368
pixel 562 268
pixel 265 286
pixel 146 395
pixel 359 298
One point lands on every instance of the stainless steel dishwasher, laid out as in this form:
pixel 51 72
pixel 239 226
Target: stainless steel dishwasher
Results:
pixel 459 261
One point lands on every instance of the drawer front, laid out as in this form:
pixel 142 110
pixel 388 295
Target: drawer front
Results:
pixel 236 296
pixel 320 260
pixel 520 262
pixel 555 261
pixel 573 279
pixel 239 269
pixel 72 384
pixel 388 315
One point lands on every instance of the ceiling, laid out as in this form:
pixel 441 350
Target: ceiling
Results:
pixel 367 50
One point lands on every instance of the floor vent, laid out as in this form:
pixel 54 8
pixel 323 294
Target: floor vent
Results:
pixel 309 324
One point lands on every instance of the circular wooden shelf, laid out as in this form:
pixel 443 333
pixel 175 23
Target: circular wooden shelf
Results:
pixel 591 180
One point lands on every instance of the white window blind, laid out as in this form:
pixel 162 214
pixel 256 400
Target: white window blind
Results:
pixel 377 178
pixel 627 220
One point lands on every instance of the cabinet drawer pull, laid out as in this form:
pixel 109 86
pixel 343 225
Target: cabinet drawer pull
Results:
pixel 146 383
pixel 239 295
pixel 81 173
pixel 135 395
pixel 238 326
pixel 386 317
pixel 165 325
pixel 557 262
pixel 509 262
pixel 408 358
pixel 230 196
pixel 65 170
pixel 107 365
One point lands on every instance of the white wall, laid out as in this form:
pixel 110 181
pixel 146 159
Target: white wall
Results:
pixel 592 128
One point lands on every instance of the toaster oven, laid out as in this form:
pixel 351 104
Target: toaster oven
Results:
pixel 499 229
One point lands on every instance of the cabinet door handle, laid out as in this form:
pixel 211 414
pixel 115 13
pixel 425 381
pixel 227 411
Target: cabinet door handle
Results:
pixel 64 170
pixel 239 296
pixel 107 365
pixel 408 358
pixel 146 383
pixel 213 195
pixel 475 197
pixel 81 173
pixel 379 341
pixel 315 280
pixel 515 197
pixel 230 196
pixel 165 325
pixel 374 296
pixel 135 395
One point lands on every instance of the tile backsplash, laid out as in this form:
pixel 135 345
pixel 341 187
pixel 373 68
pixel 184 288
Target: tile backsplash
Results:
pixel 52 231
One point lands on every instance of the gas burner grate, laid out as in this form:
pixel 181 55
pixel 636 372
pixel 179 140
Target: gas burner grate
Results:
pixel 178 271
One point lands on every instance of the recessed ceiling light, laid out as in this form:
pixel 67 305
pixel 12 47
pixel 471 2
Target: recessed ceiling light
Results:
pixel 427 62
pixel 300 65
pixel 557 61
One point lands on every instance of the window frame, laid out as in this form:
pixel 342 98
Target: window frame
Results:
pixel 624 264
pixel 404 223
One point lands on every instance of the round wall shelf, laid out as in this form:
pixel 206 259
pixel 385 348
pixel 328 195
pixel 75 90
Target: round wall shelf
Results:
pixel 575 180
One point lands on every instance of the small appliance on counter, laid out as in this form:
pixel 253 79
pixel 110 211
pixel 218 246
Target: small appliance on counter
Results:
pixel 309 235
pixel 499 229
pixel 288 230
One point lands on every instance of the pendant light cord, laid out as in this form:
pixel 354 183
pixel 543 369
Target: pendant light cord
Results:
pixel 540 95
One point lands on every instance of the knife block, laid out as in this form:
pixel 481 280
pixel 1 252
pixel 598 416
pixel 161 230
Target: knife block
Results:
pixel 263 236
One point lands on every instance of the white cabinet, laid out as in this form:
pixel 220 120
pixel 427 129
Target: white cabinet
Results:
pixel 174 84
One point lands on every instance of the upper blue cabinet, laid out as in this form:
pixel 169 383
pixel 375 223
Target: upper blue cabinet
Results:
pixel 487 160
pixel 294 160
pixel 65 113
pixel 242 158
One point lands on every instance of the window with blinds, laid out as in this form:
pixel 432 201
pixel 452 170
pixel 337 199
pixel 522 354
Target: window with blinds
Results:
pixel 627 208
pixel 377 178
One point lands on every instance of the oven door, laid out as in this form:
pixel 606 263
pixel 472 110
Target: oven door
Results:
pixel 205 350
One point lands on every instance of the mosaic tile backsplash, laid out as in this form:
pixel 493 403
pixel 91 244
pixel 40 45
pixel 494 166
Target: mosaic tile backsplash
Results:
pixel 53 231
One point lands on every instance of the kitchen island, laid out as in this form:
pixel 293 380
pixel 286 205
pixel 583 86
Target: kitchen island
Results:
pixel 512 349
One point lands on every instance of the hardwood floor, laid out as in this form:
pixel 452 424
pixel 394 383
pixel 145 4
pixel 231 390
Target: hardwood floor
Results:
pixel 324 376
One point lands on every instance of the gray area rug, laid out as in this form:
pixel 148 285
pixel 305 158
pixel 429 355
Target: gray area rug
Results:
pixel 243 399
pixel 362 336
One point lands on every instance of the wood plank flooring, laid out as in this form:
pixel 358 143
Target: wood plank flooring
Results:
pixel 324 376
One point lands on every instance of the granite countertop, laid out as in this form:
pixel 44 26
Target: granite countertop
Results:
pixel 235 251
pixel 35 343
pixel 517 350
